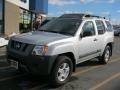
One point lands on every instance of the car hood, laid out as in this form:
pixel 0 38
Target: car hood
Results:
pixel 39 37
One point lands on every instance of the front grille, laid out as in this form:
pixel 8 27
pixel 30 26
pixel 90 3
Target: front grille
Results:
pixel 16 45
pixel 19 46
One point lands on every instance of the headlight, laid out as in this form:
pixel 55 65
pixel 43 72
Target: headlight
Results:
pixel 40 50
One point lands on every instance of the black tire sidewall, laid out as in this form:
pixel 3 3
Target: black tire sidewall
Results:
pixel 107 48
pixel 61 60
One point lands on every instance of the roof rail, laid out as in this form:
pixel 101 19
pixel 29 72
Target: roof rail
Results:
pixel 79 16
pixel 89 15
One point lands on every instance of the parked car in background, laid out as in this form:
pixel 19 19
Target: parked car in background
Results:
pixel 116 31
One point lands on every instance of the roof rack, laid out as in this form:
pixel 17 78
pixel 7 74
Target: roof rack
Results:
pixel 89 15
pixel 79 16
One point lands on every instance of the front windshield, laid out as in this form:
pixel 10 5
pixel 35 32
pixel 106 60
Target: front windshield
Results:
pixel 62 26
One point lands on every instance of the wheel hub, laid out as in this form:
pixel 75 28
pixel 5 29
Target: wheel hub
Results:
pixel 63 72
pixel 107 55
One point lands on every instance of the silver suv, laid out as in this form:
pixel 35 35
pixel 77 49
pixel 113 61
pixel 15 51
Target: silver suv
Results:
pixel 59 45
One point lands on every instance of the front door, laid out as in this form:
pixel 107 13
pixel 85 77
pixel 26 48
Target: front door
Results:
pixel 88 42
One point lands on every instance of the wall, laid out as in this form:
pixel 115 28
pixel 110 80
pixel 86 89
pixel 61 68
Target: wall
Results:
pixel 11 18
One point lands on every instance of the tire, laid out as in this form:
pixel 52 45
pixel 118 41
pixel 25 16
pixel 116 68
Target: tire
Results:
pixel 106 55
pixel 62 71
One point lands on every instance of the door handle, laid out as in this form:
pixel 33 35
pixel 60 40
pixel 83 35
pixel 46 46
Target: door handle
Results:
pixel 95 39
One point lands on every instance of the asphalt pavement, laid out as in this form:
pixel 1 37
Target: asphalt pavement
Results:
pixel 89 75
pixel 3 60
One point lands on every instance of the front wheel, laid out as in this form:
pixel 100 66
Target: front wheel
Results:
pixel 106 55
pixel 62 71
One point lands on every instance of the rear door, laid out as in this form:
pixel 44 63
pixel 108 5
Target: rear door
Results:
pixel 100 27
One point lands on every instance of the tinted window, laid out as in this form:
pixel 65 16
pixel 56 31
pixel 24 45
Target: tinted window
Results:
pixel 100 27
pixel 88 29
pixel 62 26
pixel 109 26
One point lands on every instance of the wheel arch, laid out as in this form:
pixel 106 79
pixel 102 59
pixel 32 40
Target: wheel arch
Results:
pixel 70 55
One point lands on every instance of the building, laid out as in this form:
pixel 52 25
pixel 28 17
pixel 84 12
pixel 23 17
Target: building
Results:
pixel 18 15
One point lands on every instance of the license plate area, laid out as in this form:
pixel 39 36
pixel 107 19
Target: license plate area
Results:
pixel 14 64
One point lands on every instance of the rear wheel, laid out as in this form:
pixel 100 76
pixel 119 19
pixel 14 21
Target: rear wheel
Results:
pixel 106 55
pixel 62 71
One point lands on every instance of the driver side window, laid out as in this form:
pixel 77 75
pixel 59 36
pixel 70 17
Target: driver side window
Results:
pixel 88 29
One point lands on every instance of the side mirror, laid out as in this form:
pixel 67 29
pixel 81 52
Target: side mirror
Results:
pixel 87 33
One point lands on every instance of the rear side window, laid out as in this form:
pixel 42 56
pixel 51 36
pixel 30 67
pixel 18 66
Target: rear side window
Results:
pixel 100 27
pixel 109 26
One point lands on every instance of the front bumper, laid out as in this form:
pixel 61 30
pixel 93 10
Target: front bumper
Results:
pixel 41 65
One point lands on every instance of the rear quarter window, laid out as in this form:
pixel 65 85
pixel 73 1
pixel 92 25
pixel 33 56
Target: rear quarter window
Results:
pixel 100 27
pixel 109 26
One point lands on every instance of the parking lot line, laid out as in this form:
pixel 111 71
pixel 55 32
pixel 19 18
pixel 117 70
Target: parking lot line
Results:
pixel 12 77
pixel 94 67
pixel 84 71
pixel 105 81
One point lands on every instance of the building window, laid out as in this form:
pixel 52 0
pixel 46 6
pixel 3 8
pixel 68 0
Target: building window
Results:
pixel 26 20
pixel 1 17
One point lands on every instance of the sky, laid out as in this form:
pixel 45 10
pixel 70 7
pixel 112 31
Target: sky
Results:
pixel 108 8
